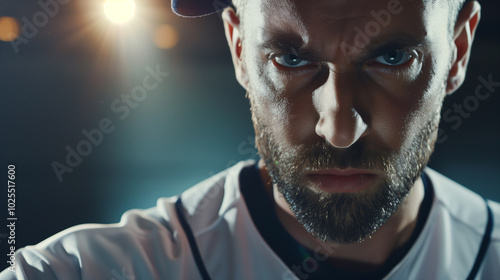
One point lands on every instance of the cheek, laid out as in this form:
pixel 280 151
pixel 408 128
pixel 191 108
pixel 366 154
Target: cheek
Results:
pixel 291 121
pixel 402 111
pixel 393 118
pixel 285 108
pixel 302 121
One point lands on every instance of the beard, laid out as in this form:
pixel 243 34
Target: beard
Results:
pixel 344 218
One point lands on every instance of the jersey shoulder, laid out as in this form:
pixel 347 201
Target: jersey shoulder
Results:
pixel 208 202
pixel 491 263
pixel 97 250
pixel 468 212
pixel 149 244
pixel 463 205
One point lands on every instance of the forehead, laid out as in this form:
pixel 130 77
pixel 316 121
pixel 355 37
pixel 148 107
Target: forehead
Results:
pixel 336 21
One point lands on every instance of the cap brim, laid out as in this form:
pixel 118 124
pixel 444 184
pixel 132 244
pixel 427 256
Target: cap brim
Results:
pixel 198 8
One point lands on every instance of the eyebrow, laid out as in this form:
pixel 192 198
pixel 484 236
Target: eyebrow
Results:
pixel 399 41
pixel 282 42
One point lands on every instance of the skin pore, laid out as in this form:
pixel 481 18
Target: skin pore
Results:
pixel 322 100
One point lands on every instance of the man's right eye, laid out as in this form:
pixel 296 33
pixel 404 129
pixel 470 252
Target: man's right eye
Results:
pixel 291 60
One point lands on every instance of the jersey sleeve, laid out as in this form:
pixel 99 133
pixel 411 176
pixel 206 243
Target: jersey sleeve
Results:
pixel 33 264
pixel 491 263
pixel 144 245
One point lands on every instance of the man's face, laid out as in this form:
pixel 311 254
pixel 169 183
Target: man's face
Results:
pixel 345 85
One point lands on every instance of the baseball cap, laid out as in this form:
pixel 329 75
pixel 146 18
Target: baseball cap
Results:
pixel 198 8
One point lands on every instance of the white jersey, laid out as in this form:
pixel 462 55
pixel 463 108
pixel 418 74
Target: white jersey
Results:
pixel 152 244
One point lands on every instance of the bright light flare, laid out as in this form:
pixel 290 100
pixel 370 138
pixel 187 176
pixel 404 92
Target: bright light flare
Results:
pixel 119 11
pixel 166 36
pixel 9 29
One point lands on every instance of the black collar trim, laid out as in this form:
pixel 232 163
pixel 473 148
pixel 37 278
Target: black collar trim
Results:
pixel 299 259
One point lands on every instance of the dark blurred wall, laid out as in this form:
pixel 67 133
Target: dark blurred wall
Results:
pixel 193 125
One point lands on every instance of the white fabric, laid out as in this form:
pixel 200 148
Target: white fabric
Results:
pixel 150 244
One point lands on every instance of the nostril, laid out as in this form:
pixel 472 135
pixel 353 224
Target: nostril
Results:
pixel 341 130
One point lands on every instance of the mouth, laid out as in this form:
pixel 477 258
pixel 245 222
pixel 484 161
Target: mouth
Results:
pixel 349 180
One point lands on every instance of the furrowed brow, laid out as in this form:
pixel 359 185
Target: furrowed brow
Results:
pixel 283 43
pixel 396 42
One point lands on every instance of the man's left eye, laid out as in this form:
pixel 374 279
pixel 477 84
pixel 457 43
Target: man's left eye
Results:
pixel 291 60
pixel 394 58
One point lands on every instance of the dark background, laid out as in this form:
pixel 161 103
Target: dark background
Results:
pixel 195 124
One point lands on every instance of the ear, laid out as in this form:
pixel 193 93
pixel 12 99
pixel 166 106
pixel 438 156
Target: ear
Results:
pixel 464 31
pixel 233 36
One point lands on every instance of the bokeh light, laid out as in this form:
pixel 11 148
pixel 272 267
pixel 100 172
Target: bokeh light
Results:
pixel 166 36
pixel 119 11
pixel 9 29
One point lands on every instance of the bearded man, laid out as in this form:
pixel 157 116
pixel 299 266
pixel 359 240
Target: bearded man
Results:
pixel 345 99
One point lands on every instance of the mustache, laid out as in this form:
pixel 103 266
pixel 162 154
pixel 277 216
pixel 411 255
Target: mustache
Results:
pixel 323 155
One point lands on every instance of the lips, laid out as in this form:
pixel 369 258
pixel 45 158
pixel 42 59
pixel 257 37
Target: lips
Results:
pixel 342 180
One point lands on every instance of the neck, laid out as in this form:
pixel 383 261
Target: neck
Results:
pixel 370 254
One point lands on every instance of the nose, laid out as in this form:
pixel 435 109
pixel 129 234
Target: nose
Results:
pixel 339 122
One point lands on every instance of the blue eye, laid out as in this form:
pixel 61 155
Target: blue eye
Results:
pixel 393 58
pixel 291 60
